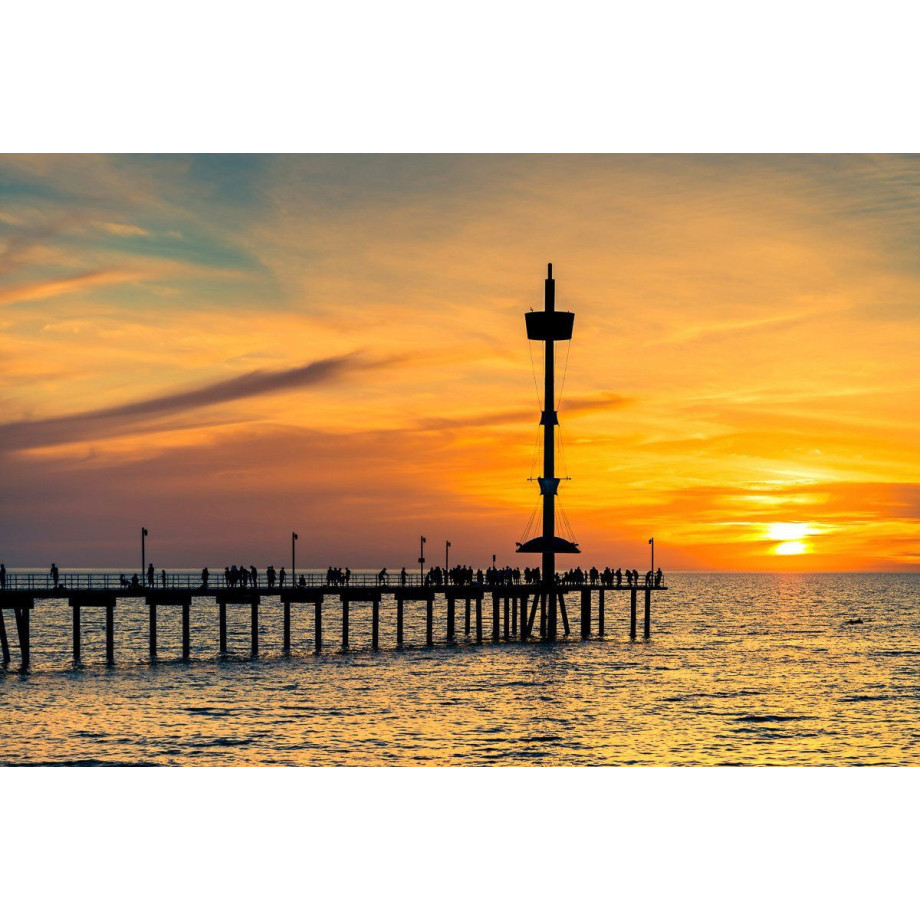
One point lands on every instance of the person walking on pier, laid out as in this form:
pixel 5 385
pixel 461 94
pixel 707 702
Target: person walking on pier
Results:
pixel 151 575
pixel 658 576
pixel 403 577
pixel 254 576
pixel 163 577
pixel 205 575
pixel 382 577
pixel 282 575
pixel 55 575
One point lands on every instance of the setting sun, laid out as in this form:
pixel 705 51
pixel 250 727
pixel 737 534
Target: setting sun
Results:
pixel 791 548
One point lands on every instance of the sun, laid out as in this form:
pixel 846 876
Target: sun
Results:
pixel 784 532
pixel 791 548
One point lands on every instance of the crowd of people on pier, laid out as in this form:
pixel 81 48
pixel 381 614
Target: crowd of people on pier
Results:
pixel 241 576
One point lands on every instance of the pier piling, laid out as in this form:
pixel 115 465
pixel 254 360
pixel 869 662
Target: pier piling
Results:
pixel 286 640
pixel 375 624
pixel 153 630
pixel 429 621
pixel 632 613
pixel 222 626
pixel 565 619
pixel 254 625
pixel 600 612
pixel 507 633
pixel 22 628
pixel 515 603
pixel 110 634
pixel 450 618
pixel 466 619
pixel 399 621
pixel 585 614
pixel 344 622
pixel 495 618
pixel 4 642
pixel 76 633
pixel 318 624
pixel 648 613
pixel 478 618
pixel 186 633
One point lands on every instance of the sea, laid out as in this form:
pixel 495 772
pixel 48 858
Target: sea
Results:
pixel 740 669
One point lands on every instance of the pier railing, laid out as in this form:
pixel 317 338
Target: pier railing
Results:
pixel 188 581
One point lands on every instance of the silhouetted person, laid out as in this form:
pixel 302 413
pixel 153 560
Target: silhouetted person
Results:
pixel 658 576
pixel 55 575
pixel 282 575
pixel 253 576
pixel 151 575
pixel 205 575
pixel 403 576
pixel 648 578
pixel 303 582
pixel 135 582
pixel 163 577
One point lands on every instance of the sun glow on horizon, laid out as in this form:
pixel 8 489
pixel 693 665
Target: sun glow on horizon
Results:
pixel 791 548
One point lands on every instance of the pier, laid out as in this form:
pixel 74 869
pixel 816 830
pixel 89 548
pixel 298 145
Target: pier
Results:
pixel 514 612
pixel 511 606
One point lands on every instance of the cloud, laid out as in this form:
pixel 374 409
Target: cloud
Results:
pixel 102 423
pixel 569 407
pixel 40 290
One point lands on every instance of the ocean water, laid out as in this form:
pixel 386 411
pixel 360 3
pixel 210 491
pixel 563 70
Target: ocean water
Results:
pixel 740 669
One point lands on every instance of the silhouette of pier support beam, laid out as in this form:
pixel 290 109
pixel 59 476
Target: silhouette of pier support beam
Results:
pixel 286 630
pixel 647 632
pixel 254 626
pixel 110 634
pixel 543 622
pixel 585 613
pixel 565 619
pixel 466 617
pixel 495 617
pixel 344 622
pixel 186 632
pixel 399 621
pixel 429 621
pixel 478 618
pixel 375 624
pixel 318 624
pixel 451 610
pixel 4 641
pixel 153 630
pixel 632 613
pixel 600 612
pixel 22 615
pixel 76 633
pixel 507 632
pixel 222 626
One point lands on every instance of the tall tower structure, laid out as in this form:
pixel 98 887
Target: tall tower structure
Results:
pixel 549 326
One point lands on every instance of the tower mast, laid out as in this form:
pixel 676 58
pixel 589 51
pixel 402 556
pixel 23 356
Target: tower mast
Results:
pixel 550 326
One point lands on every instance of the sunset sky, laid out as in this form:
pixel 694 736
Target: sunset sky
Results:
pixel 228 348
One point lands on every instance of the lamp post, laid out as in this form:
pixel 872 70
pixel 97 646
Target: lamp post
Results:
pixel 421 559
pixel 143 553
pixel 293 559
pixel 447 556
pixel 651 542
pixel 493 562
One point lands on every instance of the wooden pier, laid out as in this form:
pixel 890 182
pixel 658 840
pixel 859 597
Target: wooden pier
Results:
pixel 512 610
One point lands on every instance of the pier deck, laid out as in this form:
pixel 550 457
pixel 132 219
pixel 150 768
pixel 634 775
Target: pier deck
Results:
pixel 515 608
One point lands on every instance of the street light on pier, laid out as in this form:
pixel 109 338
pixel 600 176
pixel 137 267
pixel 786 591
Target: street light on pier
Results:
pixel 143 552
pixel 294 539
pixel 651 542
pixel 421 558
pixel 447 556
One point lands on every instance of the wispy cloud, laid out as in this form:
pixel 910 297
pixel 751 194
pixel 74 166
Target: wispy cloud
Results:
pixel 114 420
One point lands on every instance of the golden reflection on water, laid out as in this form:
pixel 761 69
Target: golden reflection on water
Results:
pixel 753 669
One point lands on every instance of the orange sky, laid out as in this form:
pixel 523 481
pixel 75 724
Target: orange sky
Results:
pixel 224 349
